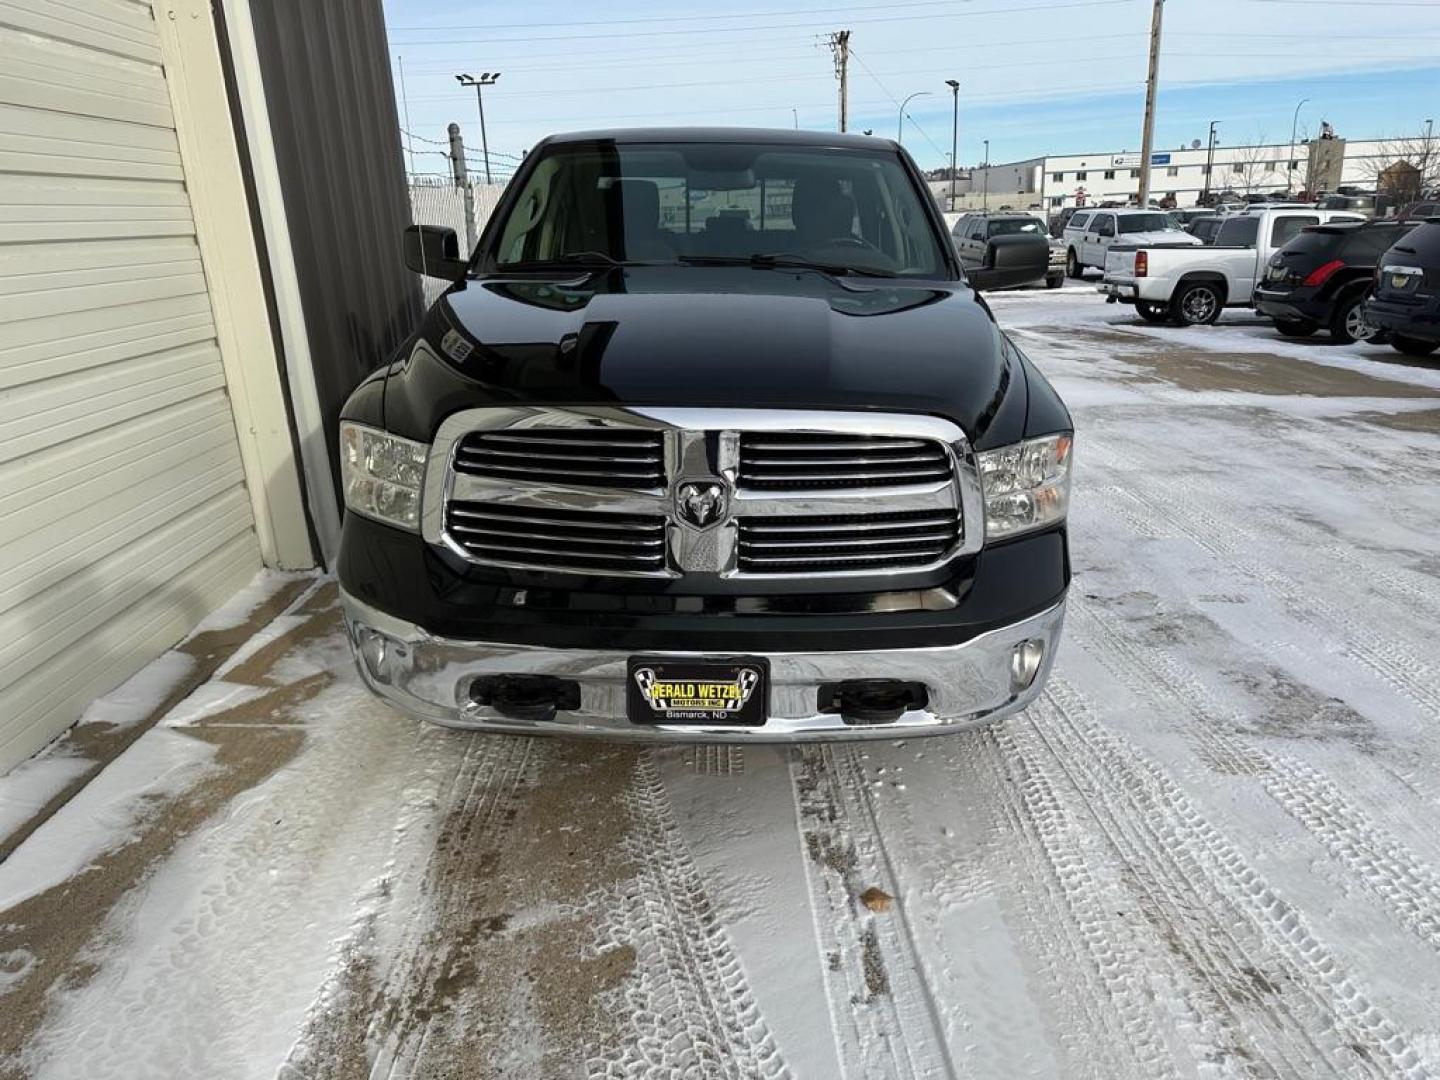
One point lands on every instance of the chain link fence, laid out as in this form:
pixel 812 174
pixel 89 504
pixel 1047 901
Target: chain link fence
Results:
pixel 436 200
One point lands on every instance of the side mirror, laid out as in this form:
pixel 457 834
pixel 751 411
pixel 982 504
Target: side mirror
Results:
pixel 1012 260
pixel 434 252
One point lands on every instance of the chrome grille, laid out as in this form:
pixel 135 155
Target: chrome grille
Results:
pixel 577 541
pixel 840 542
pixel 595 490
pixel 611 457
pixel 777 461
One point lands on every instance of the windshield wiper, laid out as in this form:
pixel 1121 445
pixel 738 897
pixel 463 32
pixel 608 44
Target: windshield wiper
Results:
pixel 573 258
pixel 782 260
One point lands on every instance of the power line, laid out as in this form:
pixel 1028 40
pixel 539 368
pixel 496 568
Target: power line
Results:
pixel 691 18
pixel 750 55
pixel 897 104
pixel 1011 11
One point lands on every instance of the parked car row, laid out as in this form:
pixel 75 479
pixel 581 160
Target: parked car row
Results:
pixel 1322 277
pixel 1306 268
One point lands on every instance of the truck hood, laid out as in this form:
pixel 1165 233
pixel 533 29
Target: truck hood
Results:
pixel 708 336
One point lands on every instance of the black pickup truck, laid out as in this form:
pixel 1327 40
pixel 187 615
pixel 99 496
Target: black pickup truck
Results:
pixel 710 439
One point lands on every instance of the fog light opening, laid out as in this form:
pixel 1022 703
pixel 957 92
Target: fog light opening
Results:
pixel 376 652
pixel 1025 661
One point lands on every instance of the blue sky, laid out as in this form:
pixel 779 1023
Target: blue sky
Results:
pixel 1037 76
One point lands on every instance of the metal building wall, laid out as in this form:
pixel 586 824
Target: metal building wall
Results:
pixel 337 157
pixel 126 509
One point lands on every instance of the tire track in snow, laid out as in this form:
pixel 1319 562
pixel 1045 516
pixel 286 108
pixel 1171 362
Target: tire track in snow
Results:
pixel 473 818
pixel 1287 1007
pixel 1391 660
pixel 691 1012
pixel 886 1025
pixel 1099 972
pixel 1405 885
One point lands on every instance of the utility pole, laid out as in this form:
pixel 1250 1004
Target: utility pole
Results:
pixel 1152 80
pixel 462 181
pixel 1210 160
pixel 954 138
pixel 840 46
pixel 487 78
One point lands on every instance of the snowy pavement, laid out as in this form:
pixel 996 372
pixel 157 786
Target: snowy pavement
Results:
pixel 1209 851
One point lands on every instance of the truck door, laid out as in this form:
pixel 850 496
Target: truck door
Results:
pixel 1099 237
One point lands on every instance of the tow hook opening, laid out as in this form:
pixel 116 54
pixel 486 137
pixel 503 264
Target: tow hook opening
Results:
pixel 525 697
pixel 872 701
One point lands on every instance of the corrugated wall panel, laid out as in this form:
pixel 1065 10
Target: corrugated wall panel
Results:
pixel 331 102
pixel 123 513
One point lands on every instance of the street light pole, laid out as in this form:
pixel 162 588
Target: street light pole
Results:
pixel 900 125
pixel 1425 157
pixel 1289 169
pixel 1209 159
pixel 985 198
pixel 487 78
pixel 954 139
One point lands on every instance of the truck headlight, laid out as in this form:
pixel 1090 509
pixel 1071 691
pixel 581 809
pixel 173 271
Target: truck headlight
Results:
pixel 1027 485
pixel 381 475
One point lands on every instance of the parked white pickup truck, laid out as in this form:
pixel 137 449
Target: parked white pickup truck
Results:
pixel 1191 285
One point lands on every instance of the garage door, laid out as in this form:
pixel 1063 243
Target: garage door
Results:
pixel 123 513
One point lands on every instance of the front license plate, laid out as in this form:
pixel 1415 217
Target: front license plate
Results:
pixel 680 691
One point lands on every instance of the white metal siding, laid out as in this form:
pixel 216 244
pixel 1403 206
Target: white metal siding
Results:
pixel 123 512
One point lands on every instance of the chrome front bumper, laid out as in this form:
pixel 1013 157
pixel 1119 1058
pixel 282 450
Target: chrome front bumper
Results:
pixel 968 685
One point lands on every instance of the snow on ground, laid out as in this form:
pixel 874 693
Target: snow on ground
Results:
pixel 1208 851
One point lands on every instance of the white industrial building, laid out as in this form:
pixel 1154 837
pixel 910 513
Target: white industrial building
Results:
pixel 1060 180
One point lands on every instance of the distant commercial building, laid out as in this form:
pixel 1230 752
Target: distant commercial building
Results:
pixel 1060 180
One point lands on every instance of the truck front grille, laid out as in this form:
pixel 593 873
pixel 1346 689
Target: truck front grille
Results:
pixel 776 461
pixel 703 494
pixel 578 541
pixel 846 542
pixel 611 457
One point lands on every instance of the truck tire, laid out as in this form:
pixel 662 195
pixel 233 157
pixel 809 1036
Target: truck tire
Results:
pixel 1296 327
pixel 1072 265
pixel 1413 346
pixel 1347 322
pixel 1152 312
pixel 1196 304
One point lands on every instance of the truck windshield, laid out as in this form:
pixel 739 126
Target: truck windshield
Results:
pixel 1133 223
pixel 684 203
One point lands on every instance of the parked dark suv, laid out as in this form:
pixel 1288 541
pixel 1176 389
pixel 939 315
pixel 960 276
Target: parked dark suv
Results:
pixel 710 438
pixel 1406 299
pixel 1321 277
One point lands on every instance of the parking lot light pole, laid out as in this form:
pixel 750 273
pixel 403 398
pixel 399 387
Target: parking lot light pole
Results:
pixel 985 198
pixel 954 139
pixel 486 78
pixel 1209 160
pixel 1289 170
pixel 900 124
